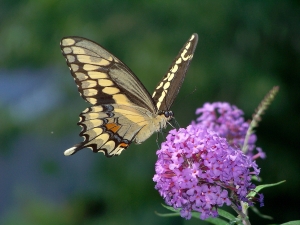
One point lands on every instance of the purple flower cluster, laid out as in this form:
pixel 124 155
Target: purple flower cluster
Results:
pixel 227 120
pixel 197 170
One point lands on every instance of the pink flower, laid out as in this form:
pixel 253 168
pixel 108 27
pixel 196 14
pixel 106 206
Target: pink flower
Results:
pixel 196 169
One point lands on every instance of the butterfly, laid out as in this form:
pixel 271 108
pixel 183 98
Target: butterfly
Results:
pixel 122 110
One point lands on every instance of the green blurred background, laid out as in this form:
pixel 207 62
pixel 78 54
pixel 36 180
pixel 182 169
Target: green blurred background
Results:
pixel 245 48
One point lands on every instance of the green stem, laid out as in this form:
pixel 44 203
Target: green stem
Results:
pixel 242 215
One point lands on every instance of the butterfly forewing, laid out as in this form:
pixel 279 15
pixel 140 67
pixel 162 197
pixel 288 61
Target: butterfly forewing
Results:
pixel 168 88
pixel 101 77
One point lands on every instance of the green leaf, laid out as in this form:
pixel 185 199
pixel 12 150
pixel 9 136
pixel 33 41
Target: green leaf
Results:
pixel 226 214
pixel 256 178
pixel 295 222
pixel 170 208
pixel 260 187
pixel 216 221
pixel 255 210
pixel 167 214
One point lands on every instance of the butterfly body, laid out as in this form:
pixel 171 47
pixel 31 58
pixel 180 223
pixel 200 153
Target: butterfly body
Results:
pixel 123 110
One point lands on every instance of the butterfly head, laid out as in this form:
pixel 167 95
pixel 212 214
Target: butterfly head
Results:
pixel 168 114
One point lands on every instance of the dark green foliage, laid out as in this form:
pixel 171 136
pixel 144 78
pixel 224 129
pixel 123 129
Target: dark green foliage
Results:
pixel 244 49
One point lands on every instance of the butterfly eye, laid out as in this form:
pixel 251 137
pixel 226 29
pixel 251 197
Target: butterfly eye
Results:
pixel 168 114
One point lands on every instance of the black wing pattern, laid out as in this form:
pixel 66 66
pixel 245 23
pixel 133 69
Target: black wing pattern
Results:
pixel 168 88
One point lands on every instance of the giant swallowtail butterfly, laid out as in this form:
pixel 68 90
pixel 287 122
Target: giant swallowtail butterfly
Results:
pixel 122 109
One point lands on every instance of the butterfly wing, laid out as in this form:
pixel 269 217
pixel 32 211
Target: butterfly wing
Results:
pixel 122 105
pixel 101 77
pixel 168 88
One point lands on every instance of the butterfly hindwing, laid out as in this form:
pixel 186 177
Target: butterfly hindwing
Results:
pixel 100 131
pixel 168 88
pixel 108 128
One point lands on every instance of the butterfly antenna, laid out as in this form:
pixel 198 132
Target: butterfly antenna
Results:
pixel 157 136
pixel 171 124
pixel 195 89
pixel 177 124
pixel 162 134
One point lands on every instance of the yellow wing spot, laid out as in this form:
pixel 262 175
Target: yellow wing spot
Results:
pixel 100 140
pixel 91 116
pixel 174 68
pixel 160 85
pixel 121 99
pixel 171 77
pixel 163 94
pixel 94 116
pixel 89 67
pixel 178 61
pixel 117 151
pixel 97 75
pixel 97 108
pixel 82 127
pixel 78 50
pixel 158 104
pixel 154 93
pixel 86 110
pixel 166 78
pixel 92 60
pixel 67 50
pixel 81 76
pixel 92 100
pixel 93 133
pixel 167 85
pixel 105 82
pixel 88 84
pixel 90 92
pixel 111 90
pixel 137 119
pixel 92 123
pixel 123 109
pixel 185 58
pixel 109 146
pixel 192 37
pixel 67 42
pixel 84 138
pixel 74 67
pixel 188 45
